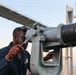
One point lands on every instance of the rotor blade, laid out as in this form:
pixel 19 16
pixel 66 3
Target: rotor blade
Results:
pixel 16 17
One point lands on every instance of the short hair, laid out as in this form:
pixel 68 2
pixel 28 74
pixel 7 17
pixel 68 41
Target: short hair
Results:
pixel 18 29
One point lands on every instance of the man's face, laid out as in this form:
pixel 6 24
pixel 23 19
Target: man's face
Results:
pixel 20 37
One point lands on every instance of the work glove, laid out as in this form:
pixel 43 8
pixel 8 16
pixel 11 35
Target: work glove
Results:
pixel 15 50
pixel 48 56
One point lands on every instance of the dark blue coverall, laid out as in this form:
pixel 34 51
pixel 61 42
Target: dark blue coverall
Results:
pixel 16 66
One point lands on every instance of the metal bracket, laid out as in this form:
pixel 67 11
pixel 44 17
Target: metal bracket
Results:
pixel 38 65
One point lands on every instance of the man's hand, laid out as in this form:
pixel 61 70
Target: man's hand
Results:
pixel 13 52
pixel 48 56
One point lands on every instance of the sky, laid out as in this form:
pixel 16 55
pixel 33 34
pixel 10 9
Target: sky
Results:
pixel 49 12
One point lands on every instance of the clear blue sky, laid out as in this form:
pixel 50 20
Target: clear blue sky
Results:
pixel 49 12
